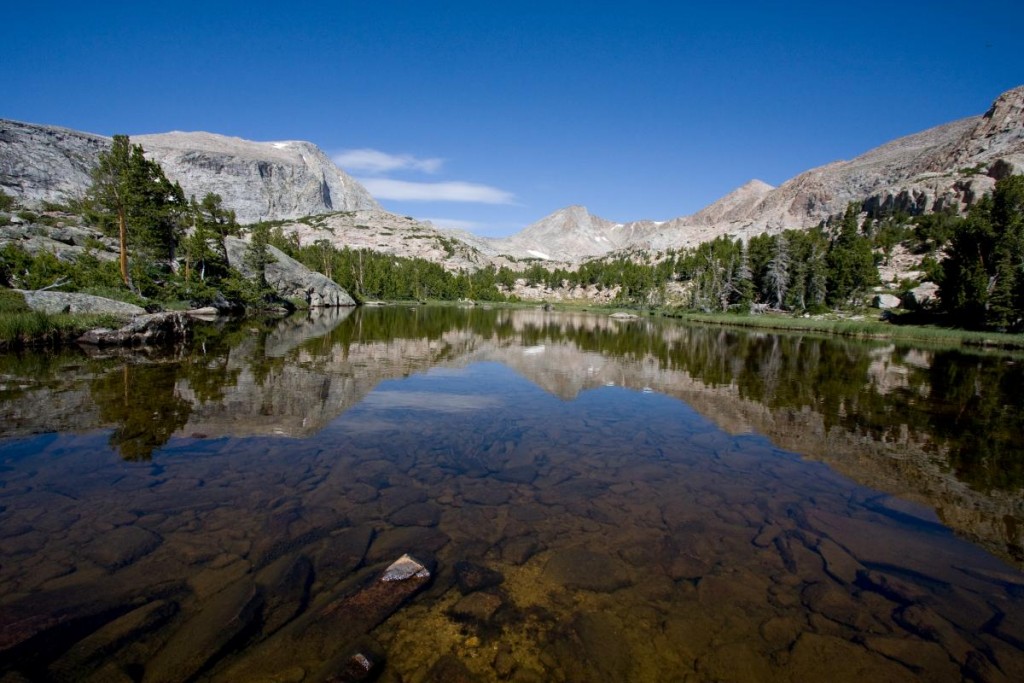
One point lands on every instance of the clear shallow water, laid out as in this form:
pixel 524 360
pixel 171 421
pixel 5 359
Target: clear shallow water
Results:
pixel 660 502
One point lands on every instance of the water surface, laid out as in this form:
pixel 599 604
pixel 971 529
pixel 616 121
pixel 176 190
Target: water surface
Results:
pixel 644 501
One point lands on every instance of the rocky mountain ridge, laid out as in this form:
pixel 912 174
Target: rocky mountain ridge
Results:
pixel 951 165
pixel 258 180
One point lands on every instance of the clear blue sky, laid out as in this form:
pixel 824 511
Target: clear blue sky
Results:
pixel 500 113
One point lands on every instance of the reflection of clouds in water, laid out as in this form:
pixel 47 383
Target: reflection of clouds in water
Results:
pixel 363 425
pixel 429 400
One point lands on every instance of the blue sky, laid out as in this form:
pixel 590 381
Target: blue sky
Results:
pixel 491 115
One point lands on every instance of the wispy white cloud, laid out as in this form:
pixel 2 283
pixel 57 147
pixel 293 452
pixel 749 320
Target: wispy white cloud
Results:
pixel 375 161
pixel 428 400
pixel 453 191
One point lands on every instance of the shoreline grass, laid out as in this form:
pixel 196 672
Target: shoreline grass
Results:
pixel 21 327
pixel 862 329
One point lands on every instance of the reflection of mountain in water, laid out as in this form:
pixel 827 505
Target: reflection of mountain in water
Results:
pixel 936 427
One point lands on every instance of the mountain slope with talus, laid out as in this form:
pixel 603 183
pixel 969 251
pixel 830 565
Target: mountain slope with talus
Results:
pixel 948 166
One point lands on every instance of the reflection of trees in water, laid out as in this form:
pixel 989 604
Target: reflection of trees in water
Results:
pixel 978 406
pixel 969 404
pixel 142 402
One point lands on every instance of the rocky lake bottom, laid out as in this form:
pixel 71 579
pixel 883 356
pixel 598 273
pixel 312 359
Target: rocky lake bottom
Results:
pixel 588 500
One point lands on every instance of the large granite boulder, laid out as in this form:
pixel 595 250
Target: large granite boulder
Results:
pixel 886 301
pixel 289 278
pixel 74 302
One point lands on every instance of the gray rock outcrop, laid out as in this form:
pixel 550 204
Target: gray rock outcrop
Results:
pixel 74 302
pixel 151 329
pixel 925 294
pixel 46 163
pixel 289 278
pixel 886 301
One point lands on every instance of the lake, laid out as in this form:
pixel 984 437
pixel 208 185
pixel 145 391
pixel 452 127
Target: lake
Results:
pixel 595 500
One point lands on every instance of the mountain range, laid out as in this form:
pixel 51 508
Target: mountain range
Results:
pixel 949 166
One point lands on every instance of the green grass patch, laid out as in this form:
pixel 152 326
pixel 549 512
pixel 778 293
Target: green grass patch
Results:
pixel 862 329
pixel 12 302
pixel 20 326
pixel 19 329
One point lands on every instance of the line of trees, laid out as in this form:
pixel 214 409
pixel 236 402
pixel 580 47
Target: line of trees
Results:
pixel 371 275
pixel 796 270
pixel 982 277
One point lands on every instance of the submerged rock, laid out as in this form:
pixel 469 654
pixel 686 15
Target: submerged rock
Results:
pixel 587 570
pixel 361 665
pixel 328 632
pixel 479 607
pixel 286 583
pixel 198 642
pixel 121 546
pixel 113 636
pixel 451 670
pixel 473 577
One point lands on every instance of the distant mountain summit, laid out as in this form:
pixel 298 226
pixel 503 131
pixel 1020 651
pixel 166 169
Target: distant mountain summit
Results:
pixel 258 180
pixel 951 165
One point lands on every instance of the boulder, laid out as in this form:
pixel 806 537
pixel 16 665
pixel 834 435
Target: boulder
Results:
pixel 289 278
pixel 155 328
pixel 73 302
pixel 886 301
pixel 121 546
pixel 924 294
pixel 476 607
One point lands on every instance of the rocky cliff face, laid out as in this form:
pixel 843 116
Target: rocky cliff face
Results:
pixel 258 180
pixel 46 163
pixel 388 233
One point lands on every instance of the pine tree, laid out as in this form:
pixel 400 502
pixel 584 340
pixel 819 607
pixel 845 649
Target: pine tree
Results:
pixel 257 256
pixel 851 265
pixel 131 192
pixel 982 283
pixel 777 276
pixel 110 192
